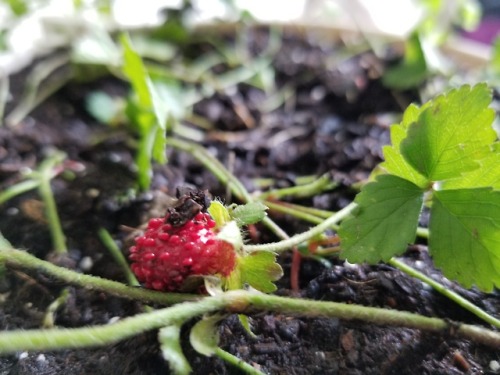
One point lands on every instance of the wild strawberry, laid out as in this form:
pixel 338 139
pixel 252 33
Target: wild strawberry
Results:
pixel 168 252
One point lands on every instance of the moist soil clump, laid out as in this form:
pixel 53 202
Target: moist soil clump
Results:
pixel 336 122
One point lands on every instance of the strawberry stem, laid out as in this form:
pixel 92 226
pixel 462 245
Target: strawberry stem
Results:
pixel 304 236
pixel 117 255
pixel 50 339
pixel 21 259
pixel 237 362
pixel 45 175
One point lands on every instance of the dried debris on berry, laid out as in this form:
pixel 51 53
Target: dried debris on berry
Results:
pixel 166 255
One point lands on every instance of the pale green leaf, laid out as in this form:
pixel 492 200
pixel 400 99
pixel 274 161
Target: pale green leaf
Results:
pixel 259 269
pixel 219 213
pixel 487 175
pixel 412 70
pixel 451 133
pixel 152 112
pixel 204 336
pixel 245 322
pixel 465 236
pixel 249 213
pixel 169 338
pixel 96 47
pixel 385 221
pixel 136 72
pixel 394 162
pixel 103 107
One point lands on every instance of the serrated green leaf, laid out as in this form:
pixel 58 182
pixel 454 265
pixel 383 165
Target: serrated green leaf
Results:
pixel 204 336
pixel 169 338
pixel 385 221
pixel 451 133
pixel 394 162
pixel 249 213
pixel 259 269
pixel 464 236
pixel 487 175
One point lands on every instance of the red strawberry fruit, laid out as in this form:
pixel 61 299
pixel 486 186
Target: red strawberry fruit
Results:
pixel 167 253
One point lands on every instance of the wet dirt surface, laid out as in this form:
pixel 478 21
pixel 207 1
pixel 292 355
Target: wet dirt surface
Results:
pixel 336 123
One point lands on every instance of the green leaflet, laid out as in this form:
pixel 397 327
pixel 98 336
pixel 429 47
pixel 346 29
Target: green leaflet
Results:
pixel 394 162
pixel 487 175
pixel 149 110
pixel 451 134
pixel 259 270
pixel 385 221
pixel 449 148
pixel 249 213
pixel 465 236
pixel 204 336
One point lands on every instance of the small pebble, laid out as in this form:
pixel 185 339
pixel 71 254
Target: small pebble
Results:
pixel 419 264
pixel 494 366
pixel 23 355
pixel 92 193
pixel 41 358
pixel 86 263
pixel 114 319
pixel 12 211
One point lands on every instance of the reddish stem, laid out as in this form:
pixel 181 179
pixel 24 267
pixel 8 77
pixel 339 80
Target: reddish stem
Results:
pixel 295 270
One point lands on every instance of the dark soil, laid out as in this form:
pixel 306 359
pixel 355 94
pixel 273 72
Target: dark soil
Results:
pixel 336 123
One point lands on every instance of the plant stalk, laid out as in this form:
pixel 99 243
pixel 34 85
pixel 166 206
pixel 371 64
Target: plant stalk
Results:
pixel 458 299
pixel 21 259
pixel 235 302
pixel 56 232
pixel 117 255
pixel 304 236
pixel 236 362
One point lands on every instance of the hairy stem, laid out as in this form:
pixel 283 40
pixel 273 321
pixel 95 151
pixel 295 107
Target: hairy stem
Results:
pixel 117 255
pixel 61 338
pixel 304 236
pixel 234 301
pixel 459 300
pixel 21 259
pixel 45 175
pixel 315 187
pixel 373 315
pixel 236 362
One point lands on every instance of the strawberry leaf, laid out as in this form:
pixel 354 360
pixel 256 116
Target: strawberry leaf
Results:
pixel 487 175
pixel 394 162
pixel 249 213
pixel 259 269
pixel 385 221
pixel 204 336
pixel 465 236
pixel 451 133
